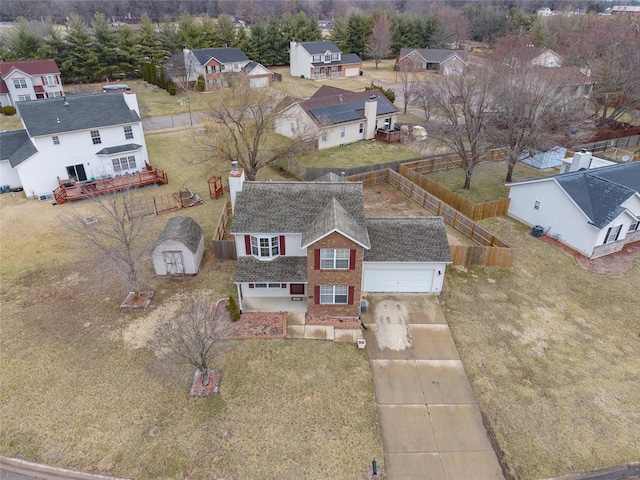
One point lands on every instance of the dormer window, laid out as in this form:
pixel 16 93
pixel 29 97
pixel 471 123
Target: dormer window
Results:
pixel 265 247
pixel 327 57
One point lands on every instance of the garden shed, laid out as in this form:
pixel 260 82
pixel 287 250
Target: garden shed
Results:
pixel 179 247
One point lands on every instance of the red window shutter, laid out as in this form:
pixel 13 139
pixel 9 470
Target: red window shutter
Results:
pixel 284 285
pixel 247 244
pixel 351 292
pixel 57 80
pixel 251 285
pixel 316 294
pixel 352 259
pixel 316 254
pixel 282 249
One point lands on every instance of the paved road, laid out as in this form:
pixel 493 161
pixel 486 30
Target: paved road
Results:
pixel 430 422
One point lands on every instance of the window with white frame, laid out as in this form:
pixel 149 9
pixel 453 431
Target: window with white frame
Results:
pixel 56 94
pixel 317 58
pixel 323 138
pixel 265 247
pixel 361 128
pixel 342 132
pixel 293 127
pixel 334 294
pixel 128 132
pixel 24 98
pixel 267 285
pixel 334 258
pixel 124 164
pixel 49 80
pixel 335 57
pixel 209 69
pixel 327 57
pixel 612 234
pixel 19 83
pixel 95 137
pixel 56 140
pixel 634 226
pixel 536 205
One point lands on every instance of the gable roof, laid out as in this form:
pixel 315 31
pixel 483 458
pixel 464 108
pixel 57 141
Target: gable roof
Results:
pixel 432 55
pixel 331 106
pixel 330 178
pixel 345 59
pixel 315 48
pixel 182 229
pixel 599 192
pixel 407 239
pixel 309 208
pixel 279 270
pixel 30 67
pixel 76 112
pixel 16 147
pixel 222 55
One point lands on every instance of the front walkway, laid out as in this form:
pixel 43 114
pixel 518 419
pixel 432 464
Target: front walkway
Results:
pixel 430 422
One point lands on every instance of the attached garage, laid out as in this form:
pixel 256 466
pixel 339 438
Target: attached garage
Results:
pixel 395 277
pixel 407 254
pixel 259 82
pixel 352 71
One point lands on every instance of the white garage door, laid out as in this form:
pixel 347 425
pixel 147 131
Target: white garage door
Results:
pixel 352 72
pixel 259 82
pixel 398 280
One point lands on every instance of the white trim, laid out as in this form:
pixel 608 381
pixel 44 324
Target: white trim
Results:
pixel 335 230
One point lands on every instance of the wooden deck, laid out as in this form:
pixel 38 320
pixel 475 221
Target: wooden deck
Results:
pixel 68 192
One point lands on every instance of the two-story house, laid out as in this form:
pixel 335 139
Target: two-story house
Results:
pixel 324 59
pixel 217 65
pixel 337 117
pixel 309 245
pixel 75 138
pixel 29 80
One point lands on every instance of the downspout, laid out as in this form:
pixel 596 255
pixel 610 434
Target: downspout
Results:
pixel 239 297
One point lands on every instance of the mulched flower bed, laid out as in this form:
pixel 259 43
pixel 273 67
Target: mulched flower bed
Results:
pixel 615 265
pixel 199 390
pixel 142 300
pixel 336 322
pixel 254 324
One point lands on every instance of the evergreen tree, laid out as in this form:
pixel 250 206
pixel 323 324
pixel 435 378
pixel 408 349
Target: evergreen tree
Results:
pixel 148 41
pixel 105 46
pixel 170 41
pixel 340 34
pixel 129 55
pixel 244 43
pixel 226 32
pixel 81 63
pixel 190 33
pixel 24 42
pixel 53 45
pixel 359 30
pixel 300 27
pixel 259 42
pixel 278 44
pixel 209 32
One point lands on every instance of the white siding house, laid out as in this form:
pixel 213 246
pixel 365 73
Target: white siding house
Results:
pixel 316 60
pixel 29 80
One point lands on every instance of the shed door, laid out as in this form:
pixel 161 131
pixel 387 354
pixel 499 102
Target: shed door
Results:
pixel 174 262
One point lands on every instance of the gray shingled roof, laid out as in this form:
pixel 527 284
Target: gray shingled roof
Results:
pixel 600 192
pixel 293 207
pixel 16 147
pixel 222 55
pixel 433 55
pixel 330 178
pixel 82 112
pixel 182 229
pixel 407 239
pixel 315 48
pixel 334 218
pixel 280 270
pixel 345 59
pixel 129 147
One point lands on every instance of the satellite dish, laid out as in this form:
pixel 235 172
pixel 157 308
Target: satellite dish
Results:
pixel 626 158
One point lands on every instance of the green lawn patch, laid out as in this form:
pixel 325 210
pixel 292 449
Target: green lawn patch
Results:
pixel 357 154
pixel 487 183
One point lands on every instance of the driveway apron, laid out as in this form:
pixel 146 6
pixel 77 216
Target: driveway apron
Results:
pixel 430 422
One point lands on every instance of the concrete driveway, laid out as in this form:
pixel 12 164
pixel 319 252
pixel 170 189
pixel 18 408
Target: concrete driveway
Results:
pixel 431 425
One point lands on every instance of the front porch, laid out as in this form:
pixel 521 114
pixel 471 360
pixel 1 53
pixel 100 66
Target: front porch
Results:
pixel 275 304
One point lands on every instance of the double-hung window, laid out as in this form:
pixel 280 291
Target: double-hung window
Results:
pixel 95 137
pixel 128 132
pixel 342 132
pixel 612 234
pixel 56 140
pixel 334 258
pixel 123 164
pixel 265 247
pixel 19 83
pixel 49 80
pixel 334 294
pixel 634 226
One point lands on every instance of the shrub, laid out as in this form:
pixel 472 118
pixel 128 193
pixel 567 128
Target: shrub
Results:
pixel 171 88
pixel 234 311
pixel 9 110
pixel 387 92
pixel 200 85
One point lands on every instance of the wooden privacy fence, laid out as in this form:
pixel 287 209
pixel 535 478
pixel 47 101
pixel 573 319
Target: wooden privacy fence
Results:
pixel 224 249
pixel 491 251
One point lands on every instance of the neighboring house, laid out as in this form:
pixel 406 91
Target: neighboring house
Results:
pixel 309 245
pixel 337 117
pixel 218 65
pixel 29 80
pixel 537 57
pixel 179 247
pixel 624 10
pixel 594 211
pixel 75 138
pixel 573 82
pixel 443 62
pixel 317 60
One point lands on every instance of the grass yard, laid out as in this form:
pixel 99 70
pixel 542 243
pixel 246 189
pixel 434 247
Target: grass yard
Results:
pixel 487 183
pixel 81 389
pixel 10 122
pixel 552 354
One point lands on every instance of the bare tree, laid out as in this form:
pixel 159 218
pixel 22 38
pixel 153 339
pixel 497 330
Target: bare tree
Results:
pixel 196 336
pixel 114 235
pixel 464 103
pixel 451 26
pixel 408 75
pixel 379 42
pixel 240 128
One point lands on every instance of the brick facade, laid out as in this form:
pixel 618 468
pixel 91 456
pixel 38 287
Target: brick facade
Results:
pixel 350 278
pixel 612 247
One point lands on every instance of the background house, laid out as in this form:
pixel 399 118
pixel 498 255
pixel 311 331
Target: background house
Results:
pixel 217 65
pixel 73 138
pixel 29 80
pixel 308 246
pixel 594 211
pixel 337 117
pixel 443 62
pixel 324 59
pixel 179 248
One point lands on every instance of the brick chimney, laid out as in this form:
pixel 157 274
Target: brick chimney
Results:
pixel 236 179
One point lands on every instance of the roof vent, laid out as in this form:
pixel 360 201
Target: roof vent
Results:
pixel 234 167
pixel 57 119
pixel 372 97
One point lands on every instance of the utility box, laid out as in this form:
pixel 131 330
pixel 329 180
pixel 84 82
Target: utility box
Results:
pixel 362 343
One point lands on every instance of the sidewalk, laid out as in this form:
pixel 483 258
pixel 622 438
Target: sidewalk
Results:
pixel 431 425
